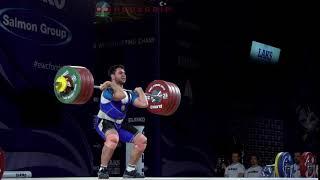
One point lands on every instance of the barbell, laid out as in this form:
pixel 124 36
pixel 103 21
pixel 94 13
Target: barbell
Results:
pixel 282 166
pixel 75 85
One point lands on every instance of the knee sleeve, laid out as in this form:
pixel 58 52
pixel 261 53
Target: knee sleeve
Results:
pixel 112 141
pixel 140 142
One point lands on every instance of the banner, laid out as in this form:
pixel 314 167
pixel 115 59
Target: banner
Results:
pixel 264 53
pixel 37 38
pixel 40 36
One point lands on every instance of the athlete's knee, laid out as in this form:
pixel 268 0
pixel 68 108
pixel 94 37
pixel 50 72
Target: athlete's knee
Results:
pixel 112 140
pixel 140 142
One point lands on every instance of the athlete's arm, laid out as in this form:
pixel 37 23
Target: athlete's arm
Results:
pixel 117 92
pixel 141 101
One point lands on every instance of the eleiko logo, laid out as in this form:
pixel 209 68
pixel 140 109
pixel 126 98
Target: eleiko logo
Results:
pixel 26 24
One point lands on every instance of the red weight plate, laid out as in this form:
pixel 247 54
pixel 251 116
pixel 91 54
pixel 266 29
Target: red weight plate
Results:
pixel 90 86
pixel 83 82
pixel 159 105
pixel 86 82
pixel 178 97
pixel 84 85
pixel 163 98
pixel 308 165
pixel 170 98
pixel 173 99
pixel 177 100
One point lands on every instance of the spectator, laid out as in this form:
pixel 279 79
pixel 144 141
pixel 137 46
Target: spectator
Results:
pixel 255 169
pixel 236 169
pixel 295 168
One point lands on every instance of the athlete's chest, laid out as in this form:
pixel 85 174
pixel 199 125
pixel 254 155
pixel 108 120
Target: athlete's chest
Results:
pixel 125 101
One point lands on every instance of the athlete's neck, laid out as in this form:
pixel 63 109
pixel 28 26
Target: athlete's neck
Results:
pixel 121 85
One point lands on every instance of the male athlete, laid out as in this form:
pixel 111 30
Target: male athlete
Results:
pixel 114 104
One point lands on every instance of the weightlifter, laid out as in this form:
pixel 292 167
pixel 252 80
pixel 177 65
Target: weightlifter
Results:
pixel 114 104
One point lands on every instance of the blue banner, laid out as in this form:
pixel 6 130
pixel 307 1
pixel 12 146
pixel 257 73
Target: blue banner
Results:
pixel 37 133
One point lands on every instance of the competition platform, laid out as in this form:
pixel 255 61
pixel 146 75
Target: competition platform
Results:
pixel 167 178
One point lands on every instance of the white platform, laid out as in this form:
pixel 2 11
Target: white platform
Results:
pixel 168 178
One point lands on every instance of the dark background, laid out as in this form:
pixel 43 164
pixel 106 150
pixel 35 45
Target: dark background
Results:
pixel 229 102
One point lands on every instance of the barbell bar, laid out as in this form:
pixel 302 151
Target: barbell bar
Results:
pixel 147 94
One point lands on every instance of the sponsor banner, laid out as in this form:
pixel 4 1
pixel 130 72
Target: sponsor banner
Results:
pixel 28 25
pixel 39 37
pixel 264 53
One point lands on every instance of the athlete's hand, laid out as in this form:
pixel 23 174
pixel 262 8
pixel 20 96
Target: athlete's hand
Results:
pixel 105 85
pixel 138 90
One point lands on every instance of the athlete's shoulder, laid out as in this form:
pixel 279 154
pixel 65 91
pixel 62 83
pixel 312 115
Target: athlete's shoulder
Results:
pixel 132 95
pixel 107 93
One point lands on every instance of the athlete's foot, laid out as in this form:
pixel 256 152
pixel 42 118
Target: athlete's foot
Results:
pixel 132 174
pixel 103 173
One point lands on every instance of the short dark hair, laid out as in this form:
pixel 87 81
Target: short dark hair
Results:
pixel 255 155
pixel 113 69
pixel 236 152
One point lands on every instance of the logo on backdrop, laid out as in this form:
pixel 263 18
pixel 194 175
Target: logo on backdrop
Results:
pixel 136 119
pixel 136 41
pixel 122 10
pixel 25 24
pixel 59 4
pixel 264 53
